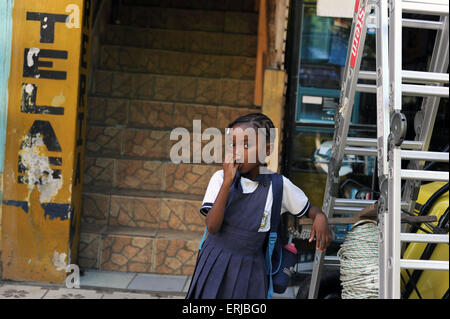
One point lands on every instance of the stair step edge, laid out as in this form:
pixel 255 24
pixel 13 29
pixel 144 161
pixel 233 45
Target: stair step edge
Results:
pixel 177 51
pixel 140 193
pixel 163 5
pixel 194 103
pixel 170 234
pixel 172 75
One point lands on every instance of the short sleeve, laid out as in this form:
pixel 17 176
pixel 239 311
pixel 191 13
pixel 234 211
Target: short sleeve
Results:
pixel 294 199
pixel 215 183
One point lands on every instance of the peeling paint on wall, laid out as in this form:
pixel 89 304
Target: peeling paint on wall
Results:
pixel 51 210
pixel 59 261
pixel 31 53
pixel 17 203
pixel 55 210
pixel 59 100
pixel 37 168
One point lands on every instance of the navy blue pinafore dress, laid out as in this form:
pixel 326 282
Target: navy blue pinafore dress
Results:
pixel 230 263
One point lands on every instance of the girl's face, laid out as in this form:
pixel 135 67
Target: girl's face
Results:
pixel 245 146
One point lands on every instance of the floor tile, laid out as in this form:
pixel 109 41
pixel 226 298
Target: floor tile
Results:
pixel 109 279
pixel 129 295
pixel 65 293
pixel 9 291
pixel 153 282
pixel 187 284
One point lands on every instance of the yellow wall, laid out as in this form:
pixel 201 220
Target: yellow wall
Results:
pixel 41 188
pixel 272 106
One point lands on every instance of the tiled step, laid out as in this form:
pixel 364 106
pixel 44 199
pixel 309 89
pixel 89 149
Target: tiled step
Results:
pixel 132 59
pixel 225 5
pixel 158 212
pixel 139 144
pixel 131 249
pixel 121 129
pixel 131 113
pixel 182 40
pixel 146 135
pixel 148 175
pixel 189 19
pixel 174 88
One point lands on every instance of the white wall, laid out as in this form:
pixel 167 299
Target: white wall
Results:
pixel 335 8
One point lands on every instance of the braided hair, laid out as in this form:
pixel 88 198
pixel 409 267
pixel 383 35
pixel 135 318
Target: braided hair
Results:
pixel 257 120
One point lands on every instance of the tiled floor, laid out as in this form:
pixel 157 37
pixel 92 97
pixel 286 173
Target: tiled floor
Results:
pixel 111 285
pixel 149 282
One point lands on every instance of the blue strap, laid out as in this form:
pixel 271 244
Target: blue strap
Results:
pixel 270 247
pixel 279 264
pixel 277 190
pixel 203 239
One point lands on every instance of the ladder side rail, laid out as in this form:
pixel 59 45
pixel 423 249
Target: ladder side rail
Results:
pixel 428 111
pixel 342 122
pixel 383 127
pixel 391 264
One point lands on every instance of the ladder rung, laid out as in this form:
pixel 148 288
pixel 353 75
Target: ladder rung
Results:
pixel 372 142
pixel 425 156
pixel 409 89
pixel 411 76
pixel 354 202
pixel 362 141
pixel 347 210
pixel 331 259
pixel 366 88
pixel 425 7
pixel 424 238
pixel 424 90
pixel 359 203
pixel 424 77
pixel 424 175
pixel 422 24
pixel 360 151
pixel 331 262
pixel 406 154
pixel 424 264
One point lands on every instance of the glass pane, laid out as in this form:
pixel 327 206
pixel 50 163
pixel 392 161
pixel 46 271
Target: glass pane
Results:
pixel 311 155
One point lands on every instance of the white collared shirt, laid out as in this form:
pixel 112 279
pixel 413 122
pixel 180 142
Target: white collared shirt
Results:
pixel 294 199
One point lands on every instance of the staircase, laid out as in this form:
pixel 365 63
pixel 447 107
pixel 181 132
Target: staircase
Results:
pixel 167 63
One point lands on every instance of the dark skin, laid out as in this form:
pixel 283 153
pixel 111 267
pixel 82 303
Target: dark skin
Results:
pixel 320 230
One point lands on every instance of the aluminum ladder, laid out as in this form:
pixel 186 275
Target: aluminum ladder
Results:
pixel 390 147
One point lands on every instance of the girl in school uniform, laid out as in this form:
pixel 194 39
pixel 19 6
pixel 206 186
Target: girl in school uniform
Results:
pixel 237 205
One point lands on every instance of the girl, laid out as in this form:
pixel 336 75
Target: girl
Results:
pixel 237 206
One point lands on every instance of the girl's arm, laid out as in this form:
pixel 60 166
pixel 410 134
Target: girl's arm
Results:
pixel 320 228
pixel 215 215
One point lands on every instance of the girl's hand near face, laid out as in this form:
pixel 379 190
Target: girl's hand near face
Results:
pixel 229 169
pixel 214 218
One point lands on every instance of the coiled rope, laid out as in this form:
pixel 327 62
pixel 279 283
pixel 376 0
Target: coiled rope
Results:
pixel 358 257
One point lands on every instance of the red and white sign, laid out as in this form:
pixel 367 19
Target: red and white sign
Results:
pixel 357 36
